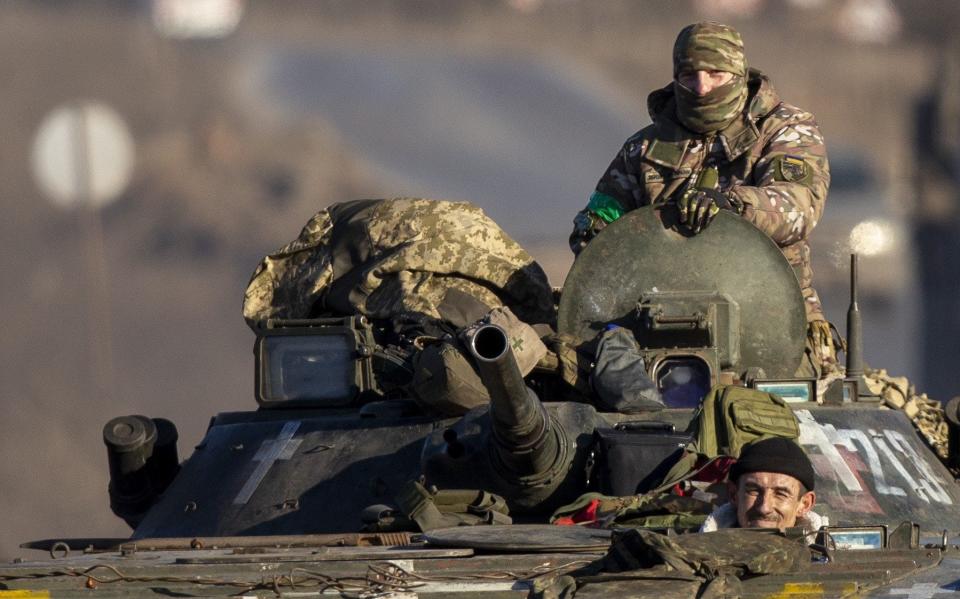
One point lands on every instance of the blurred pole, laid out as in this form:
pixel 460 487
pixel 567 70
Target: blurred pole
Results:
pixel 99 322
pixel 97 280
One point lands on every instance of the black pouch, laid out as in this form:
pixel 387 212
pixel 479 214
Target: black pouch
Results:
pixel 633 457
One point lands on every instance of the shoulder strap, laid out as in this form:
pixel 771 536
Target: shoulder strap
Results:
pixel 452 507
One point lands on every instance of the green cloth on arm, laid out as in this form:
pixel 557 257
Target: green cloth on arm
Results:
pixel 604 206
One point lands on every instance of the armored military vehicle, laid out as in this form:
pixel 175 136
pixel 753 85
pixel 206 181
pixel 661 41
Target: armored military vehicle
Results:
pixel 340 484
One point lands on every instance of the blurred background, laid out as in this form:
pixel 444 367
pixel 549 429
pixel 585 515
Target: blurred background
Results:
pixel 153 151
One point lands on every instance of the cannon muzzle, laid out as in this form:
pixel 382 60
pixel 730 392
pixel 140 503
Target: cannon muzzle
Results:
pixel 532 454
pixel 524 440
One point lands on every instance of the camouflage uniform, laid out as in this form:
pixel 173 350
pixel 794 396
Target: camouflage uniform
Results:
pixel 770 156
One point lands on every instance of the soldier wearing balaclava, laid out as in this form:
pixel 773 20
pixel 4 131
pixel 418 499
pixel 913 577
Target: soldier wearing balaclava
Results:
pixel 722 139
pixel 711 48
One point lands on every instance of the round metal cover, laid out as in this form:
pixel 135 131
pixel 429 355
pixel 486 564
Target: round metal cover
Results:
pixel 521 537
pixel 643 252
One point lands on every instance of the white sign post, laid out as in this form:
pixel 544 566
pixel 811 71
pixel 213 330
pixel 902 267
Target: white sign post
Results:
pixel 83 157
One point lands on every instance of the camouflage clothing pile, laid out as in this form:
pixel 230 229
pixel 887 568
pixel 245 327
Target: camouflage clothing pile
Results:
pixel 926 414
pixel 734 552
pixel 708 566
pixel 633 511
pixel 402 256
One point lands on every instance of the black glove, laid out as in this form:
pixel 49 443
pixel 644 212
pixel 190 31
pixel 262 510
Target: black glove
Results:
pixel 698 207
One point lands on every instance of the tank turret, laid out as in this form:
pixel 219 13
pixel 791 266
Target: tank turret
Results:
pixel 517 446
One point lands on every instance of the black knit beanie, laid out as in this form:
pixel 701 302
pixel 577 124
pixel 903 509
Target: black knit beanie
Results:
pixel 775 454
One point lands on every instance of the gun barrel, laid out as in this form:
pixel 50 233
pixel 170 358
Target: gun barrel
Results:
pixel 521 426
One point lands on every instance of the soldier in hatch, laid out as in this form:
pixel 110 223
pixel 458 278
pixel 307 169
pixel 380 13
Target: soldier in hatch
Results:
pixel 721 139
pixel 771 486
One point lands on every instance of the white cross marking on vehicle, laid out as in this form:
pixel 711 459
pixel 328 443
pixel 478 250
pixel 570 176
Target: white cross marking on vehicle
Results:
pixel 281 448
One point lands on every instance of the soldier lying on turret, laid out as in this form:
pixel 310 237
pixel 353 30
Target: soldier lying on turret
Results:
pixel 770 486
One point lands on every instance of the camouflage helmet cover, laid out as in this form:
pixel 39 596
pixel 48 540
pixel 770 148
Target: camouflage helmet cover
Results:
pixel 709 46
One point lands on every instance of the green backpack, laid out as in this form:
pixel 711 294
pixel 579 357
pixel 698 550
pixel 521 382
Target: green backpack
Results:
pixel 729 418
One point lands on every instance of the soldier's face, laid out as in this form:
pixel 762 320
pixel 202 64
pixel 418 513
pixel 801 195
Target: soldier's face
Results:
pixel 770 500
pixel 703 82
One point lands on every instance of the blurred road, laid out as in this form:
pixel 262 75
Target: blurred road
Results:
pixel 524 139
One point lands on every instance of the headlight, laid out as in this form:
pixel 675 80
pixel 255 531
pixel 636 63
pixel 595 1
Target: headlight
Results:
pixel 322 363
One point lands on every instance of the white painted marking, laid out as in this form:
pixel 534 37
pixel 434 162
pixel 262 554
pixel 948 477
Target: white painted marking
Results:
pixel 813 433
pixel 890 444
pixel 929 480
pixel 473 587
pixel 846 437
pixel 335 593
pixel 888 453
pixel 286 452
pixel 922 590
pixel 266 458
pixel 404 564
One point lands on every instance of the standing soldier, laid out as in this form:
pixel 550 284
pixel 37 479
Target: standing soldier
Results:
pixel 721 139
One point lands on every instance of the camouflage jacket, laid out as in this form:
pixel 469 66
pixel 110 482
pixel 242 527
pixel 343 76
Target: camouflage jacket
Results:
pixel 773 160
